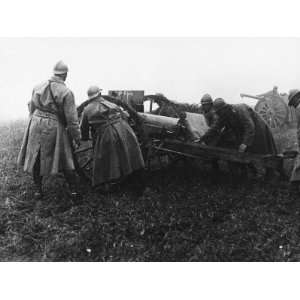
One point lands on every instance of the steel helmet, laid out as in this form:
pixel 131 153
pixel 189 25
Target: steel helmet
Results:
pixel 292 95
pixel 206 99
pixel 93 92
pixel 60 68
pixel 218 104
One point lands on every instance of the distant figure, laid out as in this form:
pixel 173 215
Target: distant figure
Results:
pixel 210 115
pixel 245 129
pixel 208 110
pixel 46 148
pixel 116 150
pixel 294 101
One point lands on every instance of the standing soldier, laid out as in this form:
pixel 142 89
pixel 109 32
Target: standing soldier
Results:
pixel 294 100
pixel 53 126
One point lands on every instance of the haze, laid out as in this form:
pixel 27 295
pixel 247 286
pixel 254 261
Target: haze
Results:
pixel 181 68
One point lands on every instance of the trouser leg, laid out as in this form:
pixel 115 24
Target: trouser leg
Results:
pixel 37 178
pixel 71 179
pixel 138 181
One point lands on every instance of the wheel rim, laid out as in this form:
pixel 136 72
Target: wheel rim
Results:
pixel 273 111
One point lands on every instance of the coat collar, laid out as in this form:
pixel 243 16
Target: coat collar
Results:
pixel 57 79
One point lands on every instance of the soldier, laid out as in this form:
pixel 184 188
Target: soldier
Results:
pixel 47 143
pixel 247 129
pixel 208 111
pixel 116 150
pixel 210 115
pixel 294 100
pixel 240 127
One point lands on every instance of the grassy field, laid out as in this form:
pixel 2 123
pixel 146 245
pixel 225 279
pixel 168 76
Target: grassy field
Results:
pixel 182 216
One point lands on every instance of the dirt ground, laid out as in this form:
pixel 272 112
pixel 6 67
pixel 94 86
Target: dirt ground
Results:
pixel 182 216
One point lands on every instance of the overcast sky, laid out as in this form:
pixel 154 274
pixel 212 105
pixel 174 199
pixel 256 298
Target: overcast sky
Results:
pixel 181 68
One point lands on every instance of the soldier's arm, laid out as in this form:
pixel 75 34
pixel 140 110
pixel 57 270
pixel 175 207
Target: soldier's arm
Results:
pixel 213 131
pixel 84 127
pixel 31 105
pixel 71 116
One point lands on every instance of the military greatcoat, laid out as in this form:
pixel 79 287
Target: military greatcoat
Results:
pixel 116 149
pixel 53 123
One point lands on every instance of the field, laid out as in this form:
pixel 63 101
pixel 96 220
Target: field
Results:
pixel 182 216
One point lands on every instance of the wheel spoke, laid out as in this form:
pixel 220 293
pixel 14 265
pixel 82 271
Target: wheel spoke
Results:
pixel 87 162
pixel 83 150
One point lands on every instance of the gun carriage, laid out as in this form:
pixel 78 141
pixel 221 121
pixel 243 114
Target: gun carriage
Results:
pixel 163 136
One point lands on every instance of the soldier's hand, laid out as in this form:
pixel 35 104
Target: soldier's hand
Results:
pixel 242 148
pixel 77 143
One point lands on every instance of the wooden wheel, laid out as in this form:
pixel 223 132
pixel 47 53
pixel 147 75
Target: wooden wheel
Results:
pixel 84 160
pixel 274 111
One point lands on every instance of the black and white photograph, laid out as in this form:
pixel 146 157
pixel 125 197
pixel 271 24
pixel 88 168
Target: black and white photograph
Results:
pixel 149 150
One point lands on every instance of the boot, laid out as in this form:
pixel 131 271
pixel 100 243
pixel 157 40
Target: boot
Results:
pixel 37 179
pixel 38 194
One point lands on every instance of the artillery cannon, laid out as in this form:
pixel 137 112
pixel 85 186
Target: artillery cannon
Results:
pixel 165 139
pixel 273 108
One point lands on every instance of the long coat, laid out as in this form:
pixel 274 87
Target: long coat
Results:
pixel 296 170
pixel 116 149
pixel 243 126
pixel 51 121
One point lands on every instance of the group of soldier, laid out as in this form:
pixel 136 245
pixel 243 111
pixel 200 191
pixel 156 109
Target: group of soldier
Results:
pixel 54 131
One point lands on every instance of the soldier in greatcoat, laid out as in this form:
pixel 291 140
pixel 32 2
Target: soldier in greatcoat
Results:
pixel 248 130
pixel 53 127
pixel 117 153
pixel 294 100
pixel 239 127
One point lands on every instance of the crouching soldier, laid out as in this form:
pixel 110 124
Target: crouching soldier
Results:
pixel 241 128
pixel 47 143
pixel 117 153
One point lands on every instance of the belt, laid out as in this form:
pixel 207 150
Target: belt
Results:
pixel 107 122
pixel 45 114
pixel 101 126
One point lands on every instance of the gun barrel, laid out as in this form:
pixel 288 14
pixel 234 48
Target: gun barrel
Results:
pixel 250 96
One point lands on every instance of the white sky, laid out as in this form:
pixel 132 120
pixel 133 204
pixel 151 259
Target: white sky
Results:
pixel 181 68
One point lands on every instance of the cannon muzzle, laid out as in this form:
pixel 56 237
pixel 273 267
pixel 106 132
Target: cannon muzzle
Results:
pixel 251 96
